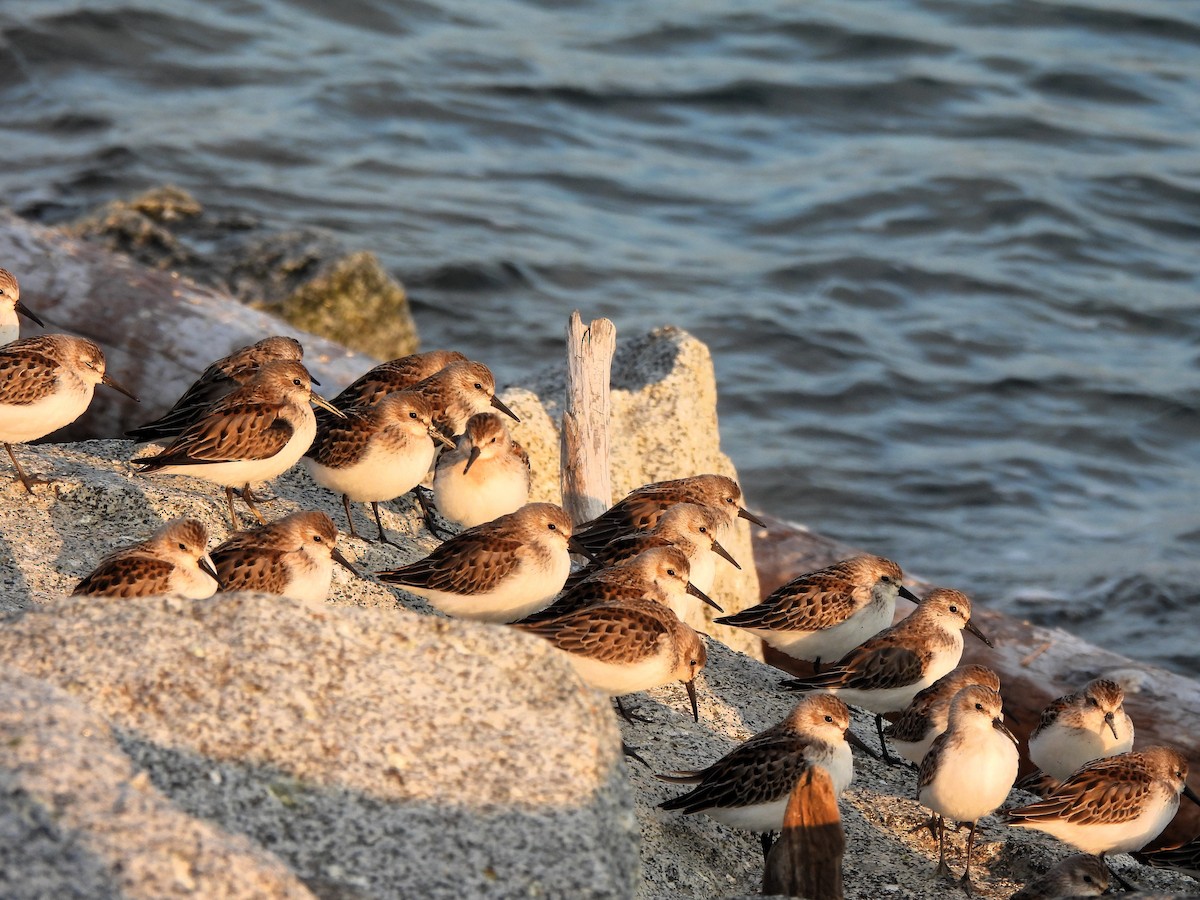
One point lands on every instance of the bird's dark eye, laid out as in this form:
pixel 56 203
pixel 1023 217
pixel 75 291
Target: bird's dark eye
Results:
pixel 412 415
pixel 1087 879
pixel 492 441
pixel 829 719
pixel 317 538
pixel 695 662
pixel 886 579
pixel 703 530
pixel 670 572
pixel 553 527
pixel 953 609
pixel 296 381
pixel 1092 701
pixel 478 386
pixel 182 546
pixel 979 706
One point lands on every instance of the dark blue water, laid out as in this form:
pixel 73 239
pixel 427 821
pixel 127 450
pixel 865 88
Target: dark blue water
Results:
pixel 944 253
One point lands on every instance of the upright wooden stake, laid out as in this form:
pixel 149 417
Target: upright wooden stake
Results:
pixel 586 481
pixel 806 861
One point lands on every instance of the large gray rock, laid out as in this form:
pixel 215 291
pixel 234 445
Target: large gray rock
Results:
pixel 78 819
pixel 375 753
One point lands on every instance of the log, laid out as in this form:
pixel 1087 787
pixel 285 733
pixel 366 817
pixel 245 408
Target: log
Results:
pixel 1035 664
pixel 586 480
pixel 806 861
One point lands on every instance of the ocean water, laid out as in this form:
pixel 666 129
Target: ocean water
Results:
pixel 944 253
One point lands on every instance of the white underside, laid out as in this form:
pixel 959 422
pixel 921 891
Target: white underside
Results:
pixel 310 578
pixel 192 582
pixel 483 494
pixel 26 423
pixel 1058 751
pixel 833 643
pixel 914 752
pixel 382 474
pixel 972 779
pixel 529 589
pixel 239 472
pixel 1118 838
pixel 704 569
pixel 897 699
pixel 10 326
pixel 616 679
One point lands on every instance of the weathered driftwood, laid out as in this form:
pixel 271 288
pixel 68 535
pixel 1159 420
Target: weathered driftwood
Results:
pixel 806 861
pixel 586 481
pixel 158 331
pixel 1035 664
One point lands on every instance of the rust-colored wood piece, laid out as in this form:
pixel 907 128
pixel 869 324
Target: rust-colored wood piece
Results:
pixel 806 861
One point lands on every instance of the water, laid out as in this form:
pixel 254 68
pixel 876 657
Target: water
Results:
pixel 944 253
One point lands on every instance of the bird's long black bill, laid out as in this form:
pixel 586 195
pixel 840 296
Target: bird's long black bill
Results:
pixel 1110 721
pixel 1003 729
pixel 691 692
pixel 342 561
pixel 28 313
pixel 859 744
pixel 909 595
pixel 744 513
pixel 1190 794
pixel 117 386
pixel 499 404
pixel 576 547
pixel 696 592
pixel 724 554
pixel 979 634
pixel 471 460
pixel 207 568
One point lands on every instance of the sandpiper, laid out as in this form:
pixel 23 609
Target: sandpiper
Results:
pixel 459 391
pixel 375 453
pixel 1080 727
pixel 627 646
pixel 658 573
pixel 688 526
pixel 499 571
pixel 217 381
pixel 485 476
pixel 47 382
pixel 969 769
pixel 929 712
pixel 394 375
pixel 643 507
pixel 174 560
pixel 292 557
pixel 1115 804
pixel 11 306
pixel 885 673
pixel 827 613
pixel 1080 875
pixel 749 787
pixel 254 434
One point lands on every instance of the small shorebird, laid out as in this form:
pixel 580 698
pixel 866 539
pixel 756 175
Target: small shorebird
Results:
pixel 658 573
pixel 174 560
pixel 885 673
pixel 641 509
pixel 254 434
pixel 47 382
pixel 11 306
pixel 1081 875
pixel 1080 727
pixel 827 613
pixel 1184 858
pixel 292 557
pixel 394 375
pixel 749 787
pixel 969 769
pixel 1115 804
pixel 217 381
pixel 376 452
pixel 627 646
pixel 459 391
pixel 499 571
pixel 484 477
pixel 688 526
pixel 927 716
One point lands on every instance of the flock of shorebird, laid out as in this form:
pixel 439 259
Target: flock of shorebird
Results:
pixel 619 618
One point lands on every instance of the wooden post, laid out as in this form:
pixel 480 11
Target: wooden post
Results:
pixel 586 480
pixel 806 861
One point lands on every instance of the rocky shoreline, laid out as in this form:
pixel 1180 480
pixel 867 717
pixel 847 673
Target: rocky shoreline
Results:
pixel 248 746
